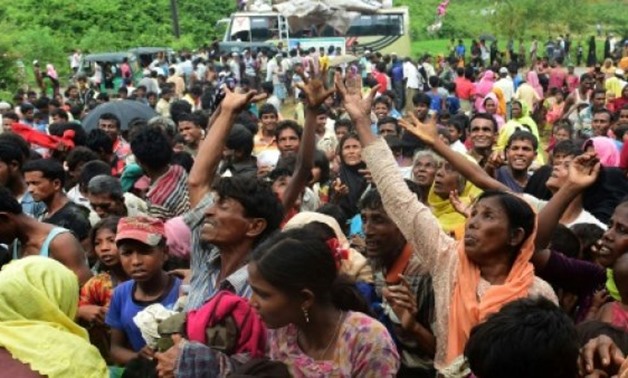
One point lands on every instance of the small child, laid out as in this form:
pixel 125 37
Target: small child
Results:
pixel 142 247
pixel 616 313
pixel 456 127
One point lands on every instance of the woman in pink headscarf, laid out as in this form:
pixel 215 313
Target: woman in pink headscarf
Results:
pixel 490 105
pixel 606 150
pixel 533 79
pixel 51 73
pixel 483 87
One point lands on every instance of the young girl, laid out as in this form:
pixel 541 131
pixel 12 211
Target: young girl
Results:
pixel 95 295
pixel 310 311
pixel 142 247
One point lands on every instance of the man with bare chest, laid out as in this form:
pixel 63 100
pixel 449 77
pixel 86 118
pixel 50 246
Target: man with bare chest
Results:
pixel 30 237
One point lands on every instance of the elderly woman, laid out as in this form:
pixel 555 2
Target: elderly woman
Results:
pixel 38 335
pixel 473 277
pixel 424 166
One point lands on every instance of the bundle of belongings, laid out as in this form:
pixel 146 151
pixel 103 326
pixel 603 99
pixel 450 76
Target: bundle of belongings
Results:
pixel 226 324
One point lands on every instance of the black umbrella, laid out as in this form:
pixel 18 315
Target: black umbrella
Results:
pixel 125 110
pixel 487 37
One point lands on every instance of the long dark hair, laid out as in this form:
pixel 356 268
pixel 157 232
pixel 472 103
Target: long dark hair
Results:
pixel 110 223
pixel 299 259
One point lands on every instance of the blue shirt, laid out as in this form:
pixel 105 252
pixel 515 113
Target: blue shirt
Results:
pixel 436 103
pixel 453 104
pixel 31 207
pixel 397 72
pixel 124 307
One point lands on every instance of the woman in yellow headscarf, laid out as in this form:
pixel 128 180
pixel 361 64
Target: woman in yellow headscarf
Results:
pixel 501 102
pixel 38 302
pixel 446 181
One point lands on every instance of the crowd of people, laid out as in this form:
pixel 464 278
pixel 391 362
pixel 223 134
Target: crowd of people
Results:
pixel 289 215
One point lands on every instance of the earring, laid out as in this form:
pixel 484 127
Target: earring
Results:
pixel 306 315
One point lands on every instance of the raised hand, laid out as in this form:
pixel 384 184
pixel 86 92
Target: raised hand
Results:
pixel 403 303
pixel 426 131
pixel 352 100
pixel 314 88
pixel 584 170
pixel 234 101
pixel 340 189
pixel 458 205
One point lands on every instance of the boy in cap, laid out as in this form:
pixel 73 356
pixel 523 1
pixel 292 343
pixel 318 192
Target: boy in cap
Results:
pixel 143 251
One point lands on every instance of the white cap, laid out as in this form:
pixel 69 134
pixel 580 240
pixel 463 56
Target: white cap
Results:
pixel 619 72
pixel 503 70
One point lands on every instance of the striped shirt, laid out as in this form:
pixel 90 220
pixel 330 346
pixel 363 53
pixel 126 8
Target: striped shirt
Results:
pixel 168 195
pixel 205 264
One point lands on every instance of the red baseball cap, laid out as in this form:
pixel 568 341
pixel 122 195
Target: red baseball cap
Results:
pixel 148 230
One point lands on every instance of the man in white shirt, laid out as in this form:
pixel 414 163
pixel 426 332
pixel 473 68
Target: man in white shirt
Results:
pixel 75 61
pixel 427 65
pixel 234 66
pixel 412 81
pixel 507 87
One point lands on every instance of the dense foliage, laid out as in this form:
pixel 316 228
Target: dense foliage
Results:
pixel 518 18
pixel 49 30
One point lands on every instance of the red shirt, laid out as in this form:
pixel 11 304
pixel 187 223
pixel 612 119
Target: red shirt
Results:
pixel 464 88
pixel 382 80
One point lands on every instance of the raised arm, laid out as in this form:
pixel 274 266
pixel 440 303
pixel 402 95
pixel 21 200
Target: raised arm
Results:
pixel 428 133
pixel 315 94
pixel 415 220
pixel 210 151
pixel 583 172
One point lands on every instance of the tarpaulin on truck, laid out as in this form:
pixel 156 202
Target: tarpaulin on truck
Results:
pixel 302 14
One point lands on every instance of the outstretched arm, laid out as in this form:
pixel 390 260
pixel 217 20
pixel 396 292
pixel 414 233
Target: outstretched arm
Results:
pixel 428 133
pixel 583 171
pixel 417 223
pixel 210 150
pixel 315 94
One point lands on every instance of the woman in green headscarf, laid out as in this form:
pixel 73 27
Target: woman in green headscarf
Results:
pixel 520 120
pixel 38 335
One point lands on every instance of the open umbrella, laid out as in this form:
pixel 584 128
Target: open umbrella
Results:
pixel 342 59
pixel 487 37
pixel 125 110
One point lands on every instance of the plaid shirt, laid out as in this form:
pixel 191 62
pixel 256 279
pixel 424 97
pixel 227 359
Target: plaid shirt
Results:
pixel 198 360
pixel 205 264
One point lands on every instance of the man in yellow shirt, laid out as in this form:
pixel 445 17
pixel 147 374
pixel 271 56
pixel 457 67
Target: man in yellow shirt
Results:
pixel 323 60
